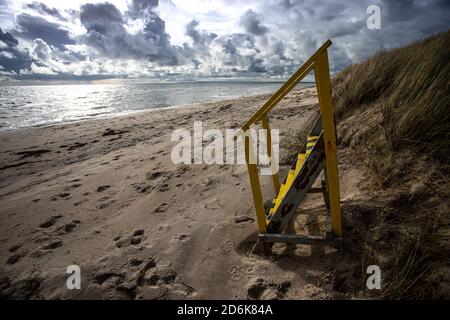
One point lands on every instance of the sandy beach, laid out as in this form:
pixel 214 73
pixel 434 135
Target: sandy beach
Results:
pixel 105 195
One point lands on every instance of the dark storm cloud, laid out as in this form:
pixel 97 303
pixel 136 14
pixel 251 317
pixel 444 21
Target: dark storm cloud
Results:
pixel 411 17
pixel 139 8
pixel 33 27
pixel 346 28
pixel 106 33
pixel 230 45
pixel 99 17
pixel 398 10
pixel 200 38
pixel 257 66
pixel 154 31
pixel 329 10
pixel 44 9
pixel 7 38
pixel 252 23
pixel 11 58
pixel 286 4
pixel 201 41
pixel 402 22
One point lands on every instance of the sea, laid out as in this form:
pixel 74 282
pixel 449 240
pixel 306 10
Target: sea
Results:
pixel 24 106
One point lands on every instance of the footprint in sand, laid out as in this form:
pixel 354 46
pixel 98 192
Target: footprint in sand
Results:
pixel 134 239
pixel 112 132
pixel 108 279
pixel 62 195
pixel 73 186
pixel 51 245
pixel 76 204
pixel 46 248
pixel 15 258
pixel 50 221
pixel 180 238
pixel 74 146
pixel 237 273
pixel 144 279
pixel 160 276
pixel 15 247
pixel 142 187
pixel 104 204
pixel 260 289
pixel 226 247
pixel 69 227
pixel 137 237
pixel 241 219
pixel 163 188
pixel 32 153
pixel 103 188
pixel 163 228
pixel 161 208
pixel 155 175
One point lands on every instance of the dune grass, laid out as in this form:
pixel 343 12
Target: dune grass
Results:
pixel 413 85
pixel 393 110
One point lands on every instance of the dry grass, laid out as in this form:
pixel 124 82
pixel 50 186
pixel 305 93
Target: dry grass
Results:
pixel 413 84
pixel 406 146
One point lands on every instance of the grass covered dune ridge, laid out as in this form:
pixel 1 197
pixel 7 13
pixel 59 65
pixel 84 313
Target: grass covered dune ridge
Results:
pixel 411 84
pixel 393 114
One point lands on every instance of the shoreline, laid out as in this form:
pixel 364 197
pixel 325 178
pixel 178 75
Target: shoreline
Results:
pixel 132 112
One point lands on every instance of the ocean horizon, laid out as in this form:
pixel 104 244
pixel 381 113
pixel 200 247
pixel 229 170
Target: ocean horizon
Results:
pixel 38 104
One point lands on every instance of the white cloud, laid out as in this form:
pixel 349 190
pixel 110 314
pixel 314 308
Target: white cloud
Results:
pixel 7 55
pixel 42 69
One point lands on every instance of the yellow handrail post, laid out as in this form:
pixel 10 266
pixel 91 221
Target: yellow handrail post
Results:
pixel 275 177
pixel 255 184
pixel 322 75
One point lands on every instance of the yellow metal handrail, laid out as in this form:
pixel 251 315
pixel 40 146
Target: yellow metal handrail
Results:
pixel 319 63
pixel 286 87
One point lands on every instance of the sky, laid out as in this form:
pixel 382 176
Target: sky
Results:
pixel 198 39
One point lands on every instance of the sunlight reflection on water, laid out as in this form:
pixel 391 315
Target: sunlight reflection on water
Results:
pixel 24 106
